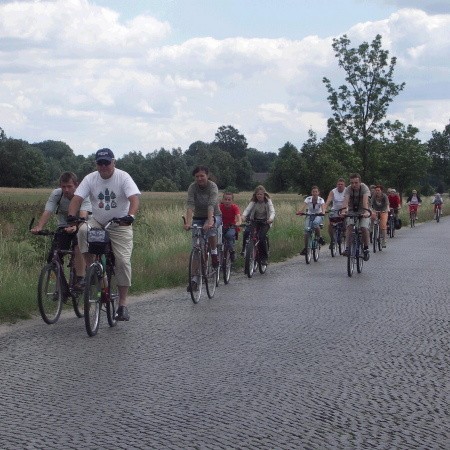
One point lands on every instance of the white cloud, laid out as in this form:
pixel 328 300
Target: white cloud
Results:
pixel 81 75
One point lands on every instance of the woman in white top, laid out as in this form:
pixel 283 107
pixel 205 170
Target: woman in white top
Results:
pixel 260 210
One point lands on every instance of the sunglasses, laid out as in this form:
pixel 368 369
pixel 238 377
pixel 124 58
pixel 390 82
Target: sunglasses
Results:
pixel 103 162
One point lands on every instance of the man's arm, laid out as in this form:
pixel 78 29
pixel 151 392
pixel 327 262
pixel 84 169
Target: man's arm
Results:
pixel 134 205
pixel 329 200
pixel 42 221
pixel 74 205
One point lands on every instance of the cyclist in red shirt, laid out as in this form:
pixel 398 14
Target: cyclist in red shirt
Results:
pixel 394 201
pixel 231 215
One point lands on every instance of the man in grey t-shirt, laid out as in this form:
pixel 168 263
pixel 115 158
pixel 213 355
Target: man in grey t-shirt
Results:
pixel 58 203
pixel 356 199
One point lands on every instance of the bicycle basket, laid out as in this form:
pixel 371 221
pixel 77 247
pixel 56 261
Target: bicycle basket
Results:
pixel 98 241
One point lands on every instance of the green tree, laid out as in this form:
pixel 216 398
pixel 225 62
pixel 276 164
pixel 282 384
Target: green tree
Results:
pixel 164 185
pixel 287 170
pixel 360 106
pixel 229 139
pixel 438 149
pixel 260 161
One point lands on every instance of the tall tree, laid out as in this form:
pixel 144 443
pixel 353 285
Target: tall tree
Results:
pixel 287 170
pixel 230 140
pixel 360 106
pixel 438 148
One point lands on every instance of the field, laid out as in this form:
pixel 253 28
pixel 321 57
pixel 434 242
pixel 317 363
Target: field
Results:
pixel 161 246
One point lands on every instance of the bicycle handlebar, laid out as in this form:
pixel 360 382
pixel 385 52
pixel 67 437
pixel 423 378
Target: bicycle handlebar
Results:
pixel 353 214
pixel 298 213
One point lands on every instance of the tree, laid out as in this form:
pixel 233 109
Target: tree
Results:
pixel 403 158
pixel 438 149
pixel 287 170
pixel 164 185
pixel 230 140
pixel 360 106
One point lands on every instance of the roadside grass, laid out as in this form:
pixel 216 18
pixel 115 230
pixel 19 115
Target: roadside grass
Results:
pixel 161 246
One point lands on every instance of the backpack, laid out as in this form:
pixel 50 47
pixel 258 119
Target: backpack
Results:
pixel 398 224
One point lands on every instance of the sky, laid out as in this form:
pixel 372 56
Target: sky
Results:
pixel 148 74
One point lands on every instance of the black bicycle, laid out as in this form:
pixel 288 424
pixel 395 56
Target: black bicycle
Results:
pixel 252 252
pixel 376 233
pixel 391 224
pixel 338 242
pixel 355 251
pixel 224 252
pixel 313 242
pixel 56 285
pixel 101 286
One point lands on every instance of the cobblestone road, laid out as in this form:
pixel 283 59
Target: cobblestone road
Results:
pixel 301 357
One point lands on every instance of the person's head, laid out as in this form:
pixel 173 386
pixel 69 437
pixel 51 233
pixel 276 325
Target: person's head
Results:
pixel 355 180
pixel 68 182
pixel 227 198
pixel 200 173
pixel 104 158
pixel 414 191
pixel 315 191
pixel 340 185
pixel 378 190
pixel 260 194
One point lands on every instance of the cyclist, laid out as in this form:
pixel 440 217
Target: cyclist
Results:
pixel 394 202
pixel 437 202
pixel 336 197
pixel 262 211
pixel 356 199
pixel 113 194
pixel 231 215
pixel 58 203
pixel 203 209
pixel 380 206
pixel 313 205
pixel 414 201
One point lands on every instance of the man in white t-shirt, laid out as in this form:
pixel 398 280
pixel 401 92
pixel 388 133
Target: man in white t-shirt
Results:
pixel 336 198
pixel 113 194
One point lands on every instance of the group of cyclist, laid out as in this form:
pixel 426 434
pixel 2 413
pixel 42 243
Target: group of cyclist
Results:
pixel 109 193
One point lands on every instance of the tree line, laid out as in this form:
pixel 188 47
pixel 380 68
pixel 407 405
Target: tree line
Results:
pixel 359 139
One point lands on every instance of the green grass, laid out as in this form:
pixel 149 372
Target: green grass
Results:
pixel 161 246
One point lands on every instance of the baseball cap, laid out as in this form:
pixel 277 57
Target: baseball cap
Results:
pixel 104 154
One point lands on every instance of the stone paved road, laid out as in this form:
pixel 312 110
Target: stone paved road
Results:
pixel 302 357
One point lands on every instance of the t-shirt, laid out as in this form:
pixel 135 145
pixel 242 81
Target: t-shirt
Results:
pixel 314 207
pixel 437 200
pixel 229 214
pixel 355 197
pixel 394 200
pixel 380 204
pixel 109 197
pixel 201 198
pixel 338 199
pixel 60 204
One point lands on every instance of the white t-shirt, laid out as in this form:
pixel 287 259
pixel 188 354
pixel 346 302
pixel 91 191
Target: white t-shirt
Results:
pixel 338 199
pixel 314 208
pixel 109 198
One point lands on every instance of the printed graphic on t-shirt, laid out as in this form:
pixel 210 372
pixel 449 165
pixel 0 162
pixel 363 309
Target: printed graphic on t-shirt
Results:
pixel 107 200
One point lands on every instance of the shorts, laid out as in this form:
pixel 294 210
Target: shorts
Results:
pixel 215 230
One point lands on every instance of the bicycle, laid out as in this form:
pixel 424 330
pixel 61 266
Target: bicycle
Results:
pixel 225 257
pixel 101 289
pixel 412 216
pixel 437 213
pixel 54 288
pixel 391 224
pixel 355 255
pixel 200 265
pixel 376 235
pixel 338 240
pixel 252 252
pixel 313 243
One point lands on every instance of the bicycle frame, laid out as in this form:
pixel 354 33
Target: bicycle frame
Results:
pixel 252 250
pixel 312 243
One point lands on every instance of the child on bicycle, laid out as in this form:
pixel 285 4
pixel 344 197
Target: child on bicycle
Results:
pixel 437 202
pixel 313 205
pixel 231 215
pixel 414 201
pixel 262 211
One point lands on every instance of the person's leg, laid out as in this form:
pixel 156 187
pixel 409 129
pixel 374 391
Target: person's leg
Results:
pixel 383 227
pixel 263 229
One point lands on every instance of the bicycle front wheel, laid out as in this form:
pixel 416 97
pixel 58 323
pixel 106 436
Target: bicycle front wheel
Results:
pixel 195 275
pixel 77 297
pixel 226 266
pixel 360 258
pixel 249 259
pixel 93 299
pixel 113 300
pixel 316 250
pixel 375 237
pixel 351 259
pixel 49 294
pixel 334 243
pixel 210 276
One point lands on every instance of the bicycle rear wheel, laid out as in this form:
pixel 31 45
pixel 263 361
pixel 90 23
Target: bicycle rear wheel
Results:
pixel 77 297
pixel 49 294
pixel 93 299
pixel 249 265
pixel 195 274
pixel 226 266
pixel 113 302
pixel 210 276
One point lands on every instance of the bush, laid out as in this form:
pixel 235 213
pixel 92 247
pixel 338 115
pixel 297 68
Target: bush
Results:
pixel 164 184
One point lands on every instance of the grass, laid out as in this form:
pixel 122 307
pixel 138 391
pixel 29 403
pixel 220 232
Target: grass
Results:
pixel 161 246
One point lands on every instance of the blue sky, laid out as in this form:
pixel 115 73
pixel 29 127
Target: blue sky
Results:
pixel 141 75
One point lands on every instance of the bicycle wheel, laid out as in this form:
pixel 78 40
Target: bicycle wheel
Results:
pixel 334 243
pixel 316 250
pixel 351 259
pixel 226 266
pixel 210 276
pixel 438 215
pixel 195 264
pixel 412 219
pixel 221 262
pixel 49 294
pixel 375 237
pixel 379 242
pixel 93 299
pixel 308 250
pixel 249 265
pixel 77 298
pixel 113 301
pixel 360 258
